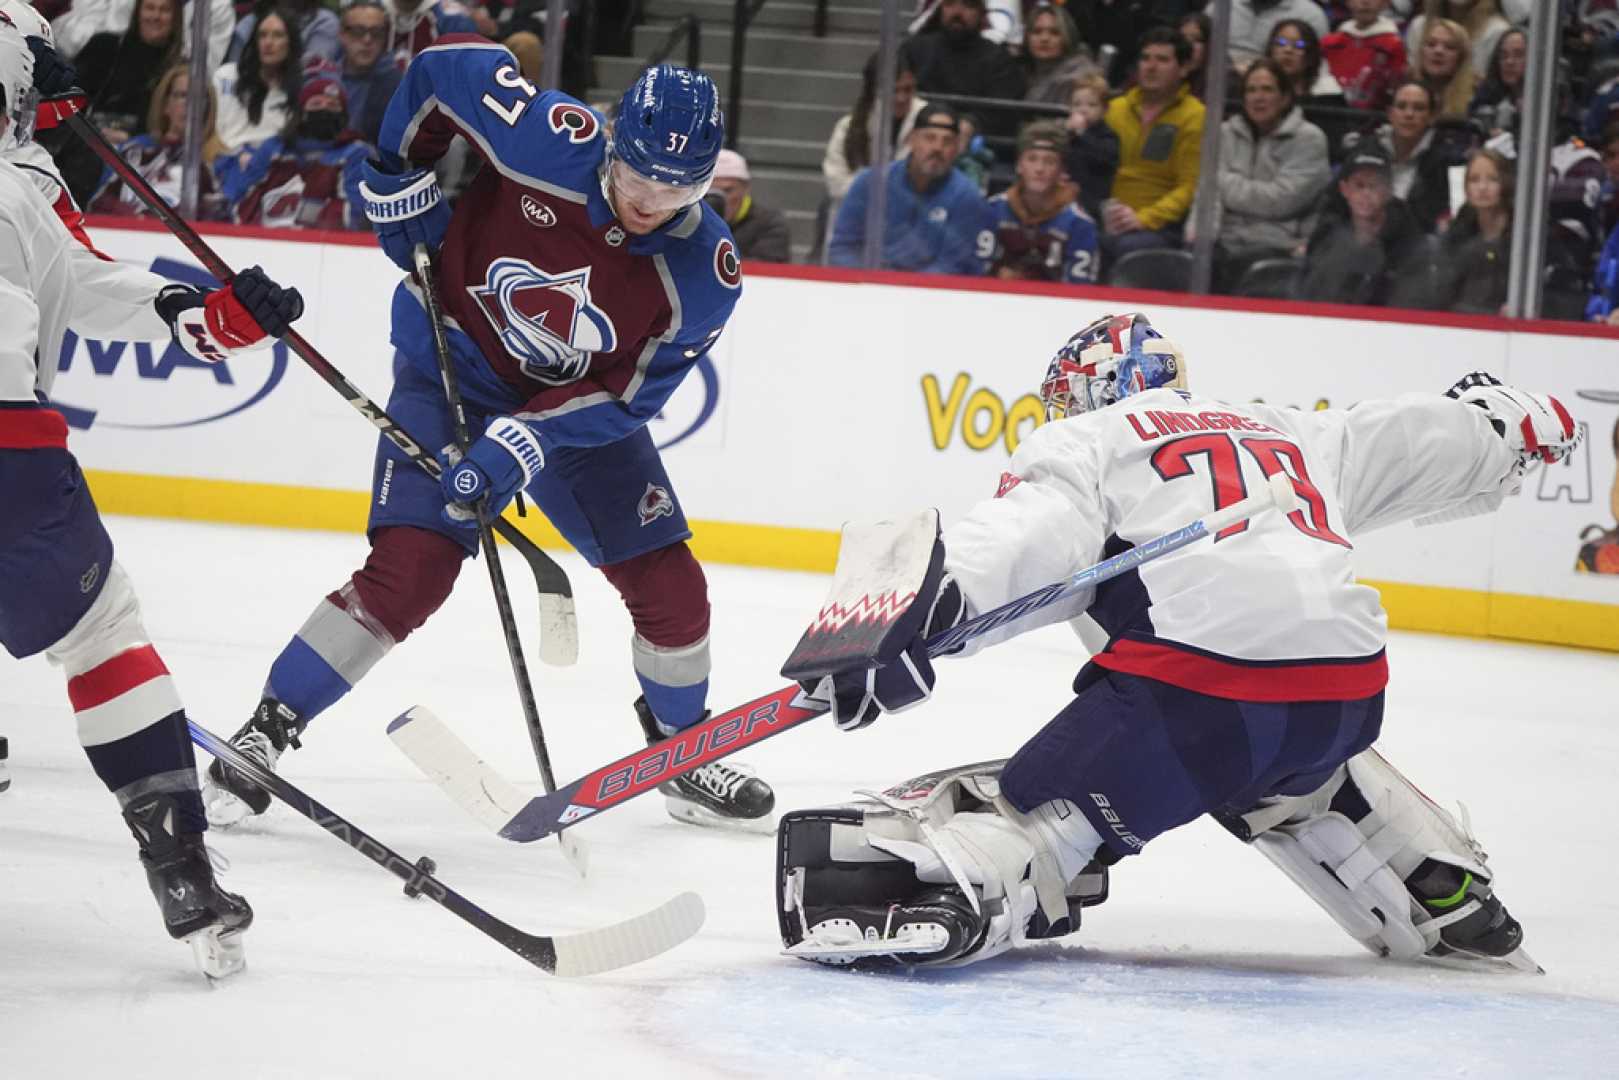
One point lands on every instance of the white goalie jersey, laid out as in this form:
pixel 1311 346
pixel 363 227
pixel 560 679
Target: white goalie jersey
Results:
pixel 1270 609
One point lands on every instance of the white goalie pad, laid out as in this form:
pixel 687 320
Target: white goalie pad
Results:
pixel 1357 871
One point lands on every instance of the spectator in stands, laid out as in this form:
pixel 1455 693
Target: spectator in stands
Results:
pixel 309 178
pixel 369 76
pixel 1444 62
pixel 158 155
pixel 419 23
pixel 934 212
pixel 1114 28
pixel 1297 51
pixel 1092 157
pixel 1359 248
pixel 1253 20
pixel 760 232
pixel 1603 306
pixel 255 93
pixel 1499 99
pixel 1035 231
pixel 974 159
pixel 1475 253
pixel 1160 127
pixel 953 59
pixel 1608 200
pixel 849 149
pixel 85 19
pixel 317 29
pixel 1421 158
pixel 120 70
pixel 1365 54
pixel 1273 168
pixel 1196 27
pixel 1481 22
pixel 1053 55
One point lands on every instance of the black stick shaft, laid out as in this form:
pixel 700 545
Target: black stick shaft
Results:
pixel 486 539
pixel 549 577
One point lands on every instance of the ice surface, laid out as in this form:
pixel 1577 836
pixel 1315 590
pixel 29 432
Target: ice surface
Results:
pixel 1205 962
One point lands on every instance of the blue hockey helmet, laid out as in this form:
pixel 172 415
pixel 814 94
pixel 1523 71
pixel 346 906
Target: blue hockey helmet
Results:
pixel 669 128
pixel 1112 358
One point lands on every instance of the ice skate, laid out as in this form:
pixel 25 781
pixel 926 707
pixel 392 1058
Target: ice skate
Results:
pixel 5 776
pixel 1475 928
pixel 229 797
pixel 933 928
pixel 178 869
pixel 721 794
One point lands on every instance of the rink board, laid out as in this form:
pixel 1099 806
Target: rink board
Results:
pixel 834 396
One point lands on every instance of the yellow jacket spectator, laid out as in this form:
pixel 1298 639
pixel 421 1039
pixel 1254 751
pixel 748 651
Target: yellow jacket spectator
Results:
pixel 1160 127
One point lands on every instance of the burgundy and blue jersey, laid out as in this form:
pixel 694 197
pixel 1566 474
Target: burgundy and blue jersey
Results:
pixel 1060 247
pixel 588 328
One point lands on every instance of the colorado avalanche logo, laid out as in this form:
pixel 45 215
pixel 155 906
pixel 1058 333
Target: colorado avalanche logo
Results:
pixel 547 321
pixel 727 267
pixel 575 121
pixel 655 504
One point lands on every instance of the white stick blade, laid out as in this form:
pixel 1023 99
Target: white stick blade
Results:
pixel 466 778
pixel 559 631
pixel 631 941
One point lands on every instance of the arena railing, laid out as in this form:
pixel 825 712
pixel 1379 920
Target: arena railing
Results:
pixel 742 16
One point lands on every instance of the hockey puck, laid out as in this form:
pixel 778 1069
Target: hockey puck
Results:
pixel 426 866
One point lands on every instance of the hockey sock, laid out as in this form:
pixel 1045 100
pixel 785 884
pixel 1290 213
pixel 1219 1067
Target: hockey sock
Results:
pixel 133 729
pixel 674 680
pixel 331 652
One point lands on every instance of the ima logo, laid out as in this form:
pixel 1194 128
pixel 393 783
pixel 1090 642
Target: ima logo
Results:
pixel 727 266
pixel 578 123
pixel 537 213
pixel 655 504
pixel 547 321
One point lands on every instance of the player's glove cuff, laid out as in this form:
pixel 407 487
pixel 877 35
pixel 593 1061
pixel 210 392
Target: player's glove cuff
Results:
pixel 391 197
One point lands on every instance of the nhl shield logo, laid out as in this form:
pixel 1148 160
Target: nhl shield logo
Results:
pixel 615 236
pixel 655 504
pixel 549 322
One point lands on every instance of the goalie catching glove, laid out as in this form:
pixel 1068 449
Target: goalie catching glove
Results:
pixel 1535 426
pixel 212 324
pixel 503 461
pixel 865 654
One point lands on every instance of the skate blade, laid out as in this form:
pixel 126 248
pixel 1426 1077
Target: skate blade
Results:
pixel 839 942
pixel 693 814
pixel 218 952
pixel 1516 960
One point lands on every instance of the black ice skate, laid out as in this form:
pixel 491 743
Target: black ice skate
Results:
pixel 5 777
pixel 933 928
pixel 1473 921
pixel 720 794
pixel 195 909
pixel 228 796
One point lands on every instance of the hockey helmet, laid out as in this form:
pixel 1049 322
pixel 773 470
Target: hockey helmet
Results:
pixel 18 100
pixel 1112 358
pixel 669 131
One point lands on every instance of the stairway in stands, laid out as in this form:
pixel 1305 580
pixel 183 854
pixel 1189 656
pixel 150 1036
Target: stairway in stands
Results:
pixel 795 87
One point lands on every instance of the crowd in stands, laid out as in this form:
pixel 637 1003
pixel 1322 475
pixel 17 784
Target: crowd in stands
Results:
pixel 1368 147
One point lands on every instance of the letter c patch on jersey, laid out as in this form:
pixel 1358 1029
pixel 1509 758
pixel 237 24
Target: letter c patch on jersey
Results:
pixel 575 121
pixel 727 265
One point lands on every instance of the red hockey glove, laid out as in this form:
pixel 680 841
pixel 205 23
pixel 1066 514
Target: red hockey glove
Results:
pixel 212 324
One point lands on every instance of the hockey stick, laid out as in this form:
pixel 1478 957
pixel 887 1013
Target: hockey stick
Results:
pixel 727 732
pixel 486 540
pixel 559 631
pixel 586 953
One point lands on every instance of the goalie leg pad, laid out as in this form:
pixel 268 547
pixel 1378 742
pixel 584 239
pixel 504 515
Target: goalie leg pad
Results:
pixel 1399 874
pixel 938 871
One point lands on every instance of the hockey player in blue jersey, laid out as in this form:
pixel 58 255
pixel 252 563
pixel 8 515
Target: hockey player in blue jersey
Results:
pixel 582 278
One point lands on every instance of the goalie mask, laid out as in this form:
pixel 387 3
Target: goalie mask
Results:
pixel 1112 358
pixel 18 101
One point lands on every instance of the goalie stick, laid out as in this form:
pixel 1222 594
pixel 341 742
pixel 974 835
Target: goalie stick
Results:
pixel 485 795
pixel 559 630
pixel 587 953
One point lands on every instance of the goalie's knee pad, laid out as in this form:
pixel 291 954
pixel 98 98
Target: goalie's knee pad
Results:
pixel 1399 874
pixel 936 871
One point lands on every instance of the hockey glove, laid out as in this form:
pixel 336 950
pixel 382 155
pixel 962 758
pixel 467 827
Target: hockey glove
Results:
pixel 504 460
pixel 902 675
pixel 52 74
pixel 1535 426
pixel 405 209
pixel 212 324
